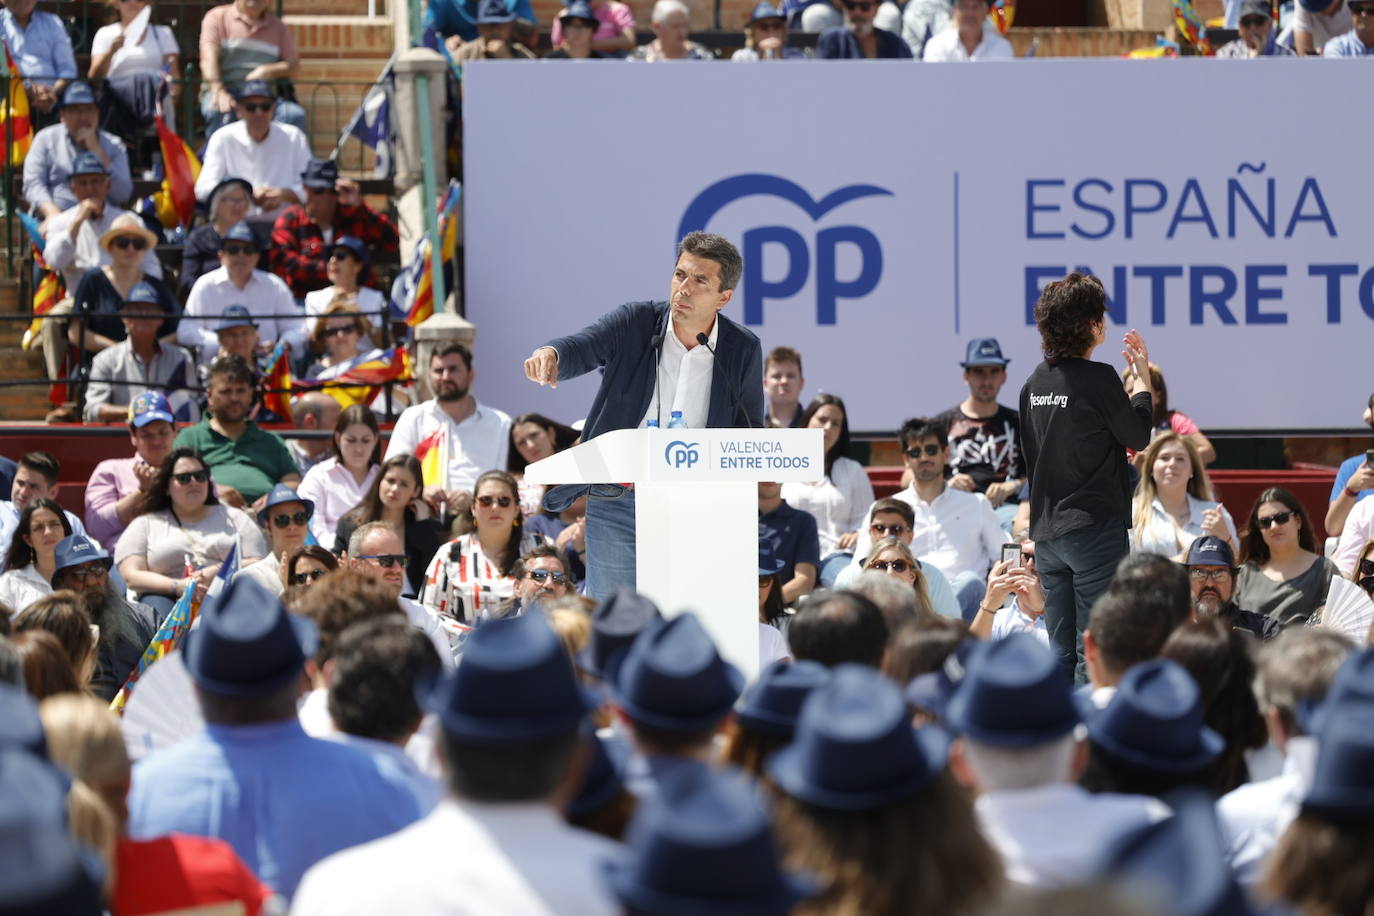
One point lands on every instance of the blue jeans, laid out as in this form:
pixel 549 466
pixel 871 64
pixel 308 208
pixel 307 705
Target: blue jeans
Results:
pixel 610 540
pixel 831 566
pixel 968 591
pixel 1075 569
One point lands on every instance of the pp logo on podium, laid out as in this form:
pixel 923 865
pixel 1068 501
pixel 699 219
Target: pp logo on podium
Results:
pixel 798 250
pixel 681 454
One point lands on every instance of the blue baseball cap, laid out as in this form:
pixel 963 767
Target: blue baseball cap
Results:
pixel 1210 551
pixel 279 494
pixel 78 93
pixel 984 351
pixel 78 550
pixel 241 232
pixel 320 174
pixel 149 407
pixel 143 293
pixel 235 316
pixel 353 246
pixel 251 89
pixel 87 164
pixel 492 12
pixel 765 10
pixel 580 9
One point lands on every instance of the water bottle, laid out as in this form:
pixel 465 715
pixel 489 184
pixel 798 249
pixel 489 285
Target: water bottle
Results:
pixel 651 424
pixel 676 421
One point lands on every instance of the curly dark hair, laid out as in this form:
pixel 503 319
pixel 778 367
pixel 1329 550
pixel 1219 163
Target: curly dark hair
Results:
pixel 159 498
pixel 1066 313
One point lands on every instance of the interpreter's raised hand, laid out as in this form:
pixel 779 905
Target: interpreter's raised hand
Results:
pixel 542 367
pixel 962 482
pixel 1137 357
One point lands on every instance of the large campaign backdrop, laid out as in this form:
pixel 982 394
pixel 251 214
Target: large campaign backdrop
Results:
pixel 890 211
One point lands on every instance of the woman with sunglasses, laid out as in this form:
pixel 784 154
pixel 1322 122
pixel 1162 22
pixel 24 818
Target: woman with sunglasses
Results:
pixel 394 498
pixel 286 519
pixel 182 534
pixel 1281 574
pixel 472 573
pixel 891 557
pixel 839 501
pixel 347 270
pixel 103 290
pixel 340 336
pixel 343 480
pixel 32 558
pixel 1174 503
pixel 307 565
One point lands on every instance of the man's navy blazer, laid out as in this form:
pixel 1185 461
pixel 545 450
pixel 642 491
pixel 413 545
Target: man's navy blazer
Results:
pixel 620 342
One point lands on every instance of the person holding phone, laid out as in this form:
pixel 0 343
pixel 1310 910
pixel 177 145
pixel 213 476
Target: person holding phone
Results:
pixel 1076 424
pixel 1354 481
pixel 1014 576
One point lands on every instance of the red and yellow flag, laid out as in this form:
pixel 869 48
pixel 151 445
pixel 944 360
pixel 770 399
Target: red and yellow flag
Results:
pixel 361 381
pixel 177 199
pixel 15 126
pixel 277 397
pixel 432 452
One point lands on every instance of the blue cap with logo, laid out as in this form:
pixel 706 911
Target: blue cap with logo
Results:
pixel 78 93
pixel 764 10
pixel 320 174
pixel 235 316
pixel 490 12
pixel 279 494
pixel 354 246
pixel 240 232
pixel 87 164
pixel 1210 551
pixel 78 550
pixel 149 407
pixel 984 351
pixel 144 294
pixel 253 89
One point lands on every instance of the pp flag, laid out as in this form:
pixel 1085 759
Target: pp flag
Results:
pixel 371 122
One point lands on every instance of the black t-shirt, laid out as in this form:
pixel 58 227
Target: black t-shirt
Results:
pixel 988 449
pixel 1076 424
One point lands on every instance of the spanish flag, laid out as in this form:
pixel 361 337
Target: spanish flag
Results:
pixel 277 397
pixel 360 380
pixel 432 451
pixel 15 126
pixel 176 202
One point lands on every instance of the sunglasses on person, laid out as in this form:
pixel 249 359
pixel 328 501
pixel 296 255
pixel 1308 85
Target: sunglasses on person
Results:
pixel 294 518
pixel 1254 22
pixel 85 572
pixel 233 248
pixel 387 560
pixel 191 477
pixel 342 329
pixel 257 107
pixel 543 575
pixel 884 531
pixel 306 578
pixel 1278 518
pixel 488 501
pixel 930 450
pixel 897 566
pixel 1203 575
pixel 135 242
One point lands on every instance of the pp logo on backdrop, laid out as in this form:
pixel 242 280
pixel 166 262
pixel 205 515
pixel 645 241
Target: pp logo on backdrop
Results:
pixel 681 454
pixel 830 288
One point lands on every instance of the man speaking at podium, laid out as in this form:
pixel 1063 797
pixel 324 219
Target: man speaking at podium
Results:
pixel 658 357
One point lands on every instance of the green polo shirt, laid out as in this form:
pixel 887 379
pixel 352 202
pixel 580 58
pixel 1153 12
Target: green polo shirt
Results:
pixel 250 464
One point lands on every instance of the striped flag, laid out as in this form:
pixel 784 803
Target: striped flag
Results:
pixel 278 382
pixel 51 288
pixel 359 380
pixel 432 451
pixel 421 305
pixel 15 126
pixel 181 168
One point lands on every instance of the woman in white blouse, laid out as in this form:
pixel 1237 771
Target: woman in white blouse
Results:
pixel 133 51
pixel 1174 502
pixel 32 557
pixel 341 481
pixel 471 573
pixel 839 501
pixel 183 534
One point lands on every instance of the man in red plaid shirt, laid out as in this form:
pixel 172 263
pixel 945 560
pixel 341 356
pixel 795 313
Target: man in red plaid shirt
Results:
pixel 333 207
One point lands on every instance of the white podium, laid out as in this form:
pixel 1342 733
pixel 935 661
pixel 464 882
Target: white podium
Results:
pixel 696 514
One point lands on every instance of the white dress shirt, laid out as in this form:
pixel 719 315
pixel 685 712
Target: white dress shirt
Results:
pixel 1254 816
pixel 1052 836
pixel 480 443
pixel 1011 619
pixel 277 162
pixel 684 381
pixel 946 46
pixel 839 503
pixel 334 491
pixel 76 256
pixel 467 858
pixel 1162 535
pixel 957 531
pixel 21 587
pixel 267 298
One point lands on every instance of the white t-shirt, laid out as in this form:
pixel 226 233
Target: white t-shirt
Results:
pixel 772 646
pixel 144 57
pixel 165 543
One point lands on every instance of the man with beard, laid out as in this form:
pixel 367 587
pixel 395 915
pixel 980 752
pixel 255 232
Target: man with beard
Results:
pixel 478 436
pixel 859 38
pixel 657 358
pixel 114 495
pixel 245 460
pixel 126 627
pixel 1212 575
pixel 543 576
